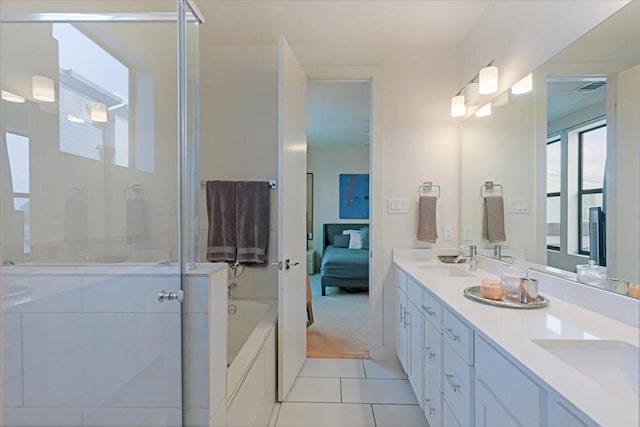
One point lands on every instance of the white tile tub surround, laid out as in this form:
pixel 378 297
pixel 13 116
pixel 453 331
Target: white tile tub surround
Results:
pixel 85 337
pixel 512 331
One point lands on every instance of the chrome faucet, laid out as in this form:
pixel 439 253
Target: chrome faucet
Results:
pixel 472 258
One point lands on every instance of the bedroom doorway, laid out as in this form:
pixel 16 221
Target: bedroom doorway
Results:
pixel 338 256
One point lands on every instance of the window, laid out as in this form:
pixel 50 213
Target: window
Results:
pixel 554 168
pixel 592 154
pixel 94 98
pixel 18 151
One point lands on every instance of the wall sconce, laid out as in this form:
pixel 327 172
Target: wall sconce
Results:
pixel 484 111
pixel 42 89
pixel 483 83
pixel 11 97
pixel 98 112
pixel 458 108
pixel 471 94
pixel 74 119
pixel 488 78
pixel 523 86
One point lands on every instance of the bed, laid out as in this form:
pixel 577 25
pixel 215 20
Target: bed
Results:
pixel 342 267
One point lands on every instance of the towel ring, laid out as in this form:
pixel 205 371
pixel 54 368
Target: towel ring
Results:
pixel 428 186
pixel 490 186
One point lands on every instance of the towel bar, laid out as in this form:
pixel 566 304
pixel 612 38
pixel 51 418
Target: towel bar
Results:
pixel 428 186
pixel 489 186
pixel 272 184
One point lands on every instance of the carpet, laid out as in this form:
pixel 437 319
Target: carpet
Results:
pixel 341 326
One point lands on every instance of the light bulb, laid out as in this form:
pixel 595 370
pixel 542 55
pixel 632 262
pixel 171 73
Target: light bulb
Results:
pixel 98 112
pixel 488 80
pixel 457 106
pixel 11 97
pixel 42 89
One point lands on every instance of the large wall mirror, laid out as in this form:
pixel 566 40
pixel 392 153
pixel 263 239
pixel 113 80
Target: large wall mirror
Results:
pixel 567 155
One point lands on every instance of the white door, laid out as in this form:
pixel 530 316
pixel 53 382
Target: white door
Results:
pixel 292 190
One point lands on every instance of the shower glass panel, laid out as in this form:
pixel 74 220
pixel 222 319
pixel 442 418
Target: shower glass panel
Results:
pixel 91 202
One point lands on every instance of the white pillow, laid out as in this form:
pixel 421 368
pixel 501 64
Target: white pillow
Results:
pixel 355 241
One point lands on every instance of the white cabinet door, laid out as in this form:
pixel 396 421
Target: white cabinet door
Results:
pixel 563 414
pixel 402 336
pixel 489 412
pixel 292 172
pixel 416 347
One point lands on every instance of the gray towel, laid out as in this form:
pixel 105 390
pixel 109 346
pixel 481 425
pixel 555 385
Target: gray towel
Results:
pixel 427 227
pixel 252 221
pixel 136 227
pixel 221 212
pixel 493 222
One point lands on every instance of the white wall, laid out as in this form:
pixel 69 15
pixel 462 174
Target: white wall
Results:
pixel 626 176
pixel 522 35
pixel 327 163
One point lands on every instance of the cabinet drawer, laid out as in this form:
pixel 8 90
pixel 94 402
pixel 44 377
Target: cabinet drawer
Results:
pixel 432 402
pixel 432 349
pixel 522 397
pixel 401 277
pixel 457 385
pixel 432 309
pixel 414 291
pixel 459 335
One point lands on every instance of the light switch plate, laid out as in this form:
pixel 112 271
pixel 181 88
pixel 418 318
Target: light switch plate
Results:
pixel 397 205
pixel 467 233
pixel 518 205
pixel 448 232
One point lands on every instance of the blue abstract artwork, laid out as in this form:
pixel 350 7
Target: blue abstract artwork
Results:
pixel 354 196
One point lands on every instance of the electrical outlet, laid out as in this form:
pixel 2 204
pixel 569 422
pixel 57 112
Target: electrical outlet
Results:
pixel 467 233
pixel 448 232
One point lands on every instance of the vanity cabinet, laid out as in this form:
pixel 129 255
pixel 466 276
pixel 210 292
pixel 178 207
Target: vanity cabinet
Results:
pixel 505 395
pixel 562 413
pixel 416 342
pixel 402 332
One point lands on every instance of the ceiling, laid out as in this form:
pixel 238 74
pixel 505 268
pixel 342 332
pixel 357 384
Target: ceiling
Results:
pixel 339 22
pixel 338 112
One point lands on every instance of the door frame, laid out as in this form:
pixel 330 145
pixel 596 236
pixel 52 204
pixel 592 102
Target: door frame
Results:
pixel 376 205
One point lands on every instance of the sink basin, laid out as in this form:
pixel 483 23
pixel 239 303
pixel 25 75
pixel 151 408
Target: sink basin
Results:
pixel 437 270
pixel 612 364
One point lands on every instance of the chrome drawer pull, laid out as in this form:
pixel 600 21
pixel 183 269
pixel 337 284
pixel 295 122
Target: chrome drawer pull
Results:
pixel 449 332
pixel 401 313
pixel 453 385
pixel 429 312
pixel 430 410
pixel 407 318
pixel 429 354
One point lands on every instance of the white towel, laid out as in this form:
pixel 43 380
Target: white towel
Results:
pixel 427 227
pixel 493 222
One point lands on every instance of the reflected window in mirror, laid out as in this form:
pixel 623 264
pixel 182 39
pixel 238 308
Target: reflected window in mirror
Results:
pixel 592 152
pixel 18 153
pixel 554 169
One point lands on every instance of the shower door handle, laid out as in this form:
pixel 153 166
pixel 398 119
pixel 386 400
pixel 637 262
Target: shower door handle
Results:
pixel 171 296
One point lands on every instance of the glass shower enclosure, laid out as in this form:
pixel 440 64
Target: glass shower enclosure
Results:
pixel 98 209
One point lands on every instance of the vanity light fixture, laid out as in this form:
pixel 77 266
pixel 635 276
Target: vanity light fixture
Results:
pixel 74 119
pixel 42 89
pixel 484 111
pixel 458 108
pixel 98 112
pixel 471 94
pixel 523 86
pixel 485 82
pixel 11 97
pixel 488 78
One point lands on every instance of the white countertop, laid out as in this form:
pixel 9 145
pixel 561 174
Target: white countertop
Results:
pixel 513 330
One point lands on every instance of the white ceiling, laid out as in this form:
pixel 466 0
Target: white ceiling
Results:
pixel 338 22
pixel 338 112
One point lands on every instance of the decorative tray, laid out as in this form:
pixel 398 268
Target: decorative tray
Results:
pixel 449 259
pixel 473 293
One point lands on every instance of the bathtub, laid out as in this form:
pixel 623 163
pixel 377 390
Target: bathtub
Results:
pixel 250 323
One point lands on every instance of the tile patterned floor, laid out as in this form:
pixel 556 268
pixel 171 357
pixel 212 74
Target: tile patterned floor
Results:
pixel 349 393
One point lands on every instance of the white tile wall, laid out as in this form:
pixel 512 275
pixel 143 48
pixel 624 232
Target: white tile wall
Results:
pixel 11 359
